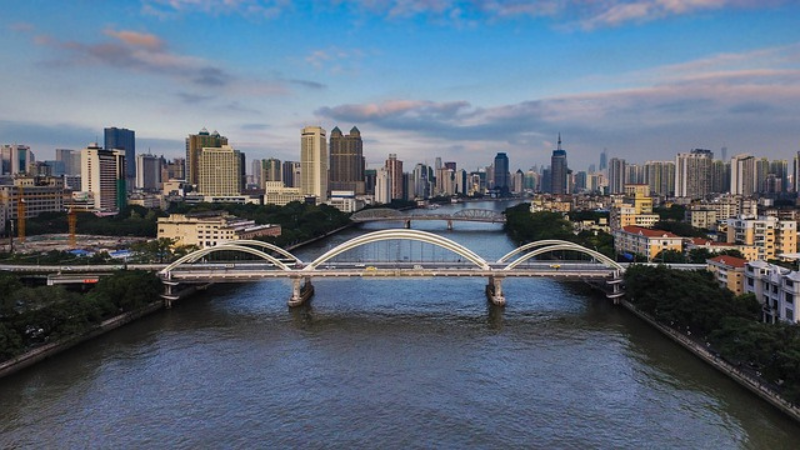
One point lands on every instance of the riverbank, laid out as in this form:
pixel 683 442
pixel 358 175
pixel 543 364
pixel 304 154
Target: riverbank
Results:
pixel 45 351
pixel 753 384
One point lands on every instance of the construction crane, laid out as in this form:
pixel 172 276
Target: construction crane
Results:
pixel 72 220
pixel 21 216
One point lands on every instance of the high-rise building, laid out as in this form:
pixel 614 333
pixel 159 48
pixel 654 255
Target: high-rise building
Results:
pixel 762 171
pixel 219 171
pixel 421 177
pixel 501 173
pixel 123 139
pixel 780 169
pixel 271 170
pixel 603 160
pixel 616 176
pixel 347 161
pixel 176 170
pixel 395 169
pixel 693 173
pixel 255 170
pixel 194 144
pixel 148 172
pixel 720 176
pixel 103 175
pixel 660 176
pixel 383 185
pixel 558 170
pixel 314 163
pixel 16 159
pixel 743 175
pixel 71 160
pixel 291 174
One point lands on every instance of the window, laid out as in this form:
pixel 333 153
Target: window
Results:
pixel 789 283
pixel 789 298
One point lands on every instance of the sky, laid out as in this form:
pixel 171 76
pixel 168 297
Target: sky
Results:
pixel 461 80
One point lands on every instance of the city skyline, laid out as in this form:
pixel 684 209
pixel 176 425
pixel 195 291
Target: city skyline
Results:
pixel 463 80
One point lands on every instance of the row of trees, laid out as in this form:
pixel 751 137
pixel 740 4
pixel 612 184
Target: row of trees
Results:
pixel 133 220
pixel 30 316
pixel 692 301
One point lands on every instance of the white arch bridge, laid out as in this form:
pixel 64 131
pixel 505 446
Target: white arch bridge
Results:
pixel 463 215
pixel 272 262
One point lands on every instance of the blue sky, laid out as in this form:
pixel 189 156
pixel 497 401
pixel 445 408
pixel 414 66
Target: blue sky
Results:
pixel 457 79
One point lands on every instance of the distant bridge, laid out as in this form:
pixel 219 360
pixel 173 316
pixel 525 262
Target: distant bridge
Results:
pixel 463 215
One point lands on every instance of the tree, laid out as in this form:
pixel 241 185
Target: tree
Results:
pixel 670 256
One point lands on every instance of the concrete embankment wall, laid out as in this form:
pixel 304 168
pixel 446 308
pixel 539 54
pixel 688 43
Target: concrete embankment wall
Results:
pixel 749 382
pixel 46 351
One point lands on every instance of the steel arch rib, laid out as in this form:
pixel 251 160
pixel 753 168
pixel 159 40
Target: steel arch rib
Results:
pixel 401 234
pixel 194 256
pixel 570 246
pixel 531 245
pixel 265 245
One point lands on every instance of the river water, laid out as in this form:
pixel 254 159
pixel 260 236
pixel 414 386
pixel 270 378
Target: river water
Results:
pixel 412 363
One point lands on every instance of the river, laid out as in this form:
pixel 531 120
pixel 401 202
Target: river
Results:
pixel 412 363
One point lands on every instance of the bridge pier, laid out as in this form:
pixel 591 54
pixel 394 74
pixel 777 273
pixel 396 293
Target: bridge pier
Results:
pixel 407 224
pixel 449 225
pixel 494 291
pixel 616 287
pixel 302 290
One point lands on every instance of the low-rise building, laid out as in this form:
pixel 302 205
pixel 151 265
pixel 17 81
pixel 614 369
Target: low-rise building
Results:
pixel 728 271
pixel 277 194
pixel 647 242
pixel 776 288
pixel 210 228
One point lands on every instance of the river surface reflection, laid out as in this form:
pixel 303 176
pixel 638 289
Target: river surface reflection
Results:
pixel 411 363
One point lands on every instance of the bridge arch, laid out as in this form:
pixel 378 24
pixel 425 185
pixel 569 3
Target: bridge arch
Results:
pixel 194 256
pixel 377 213
pixel 531 245
pixel 266 246
pixel 409 235
pixel 541 250
pixel 479 214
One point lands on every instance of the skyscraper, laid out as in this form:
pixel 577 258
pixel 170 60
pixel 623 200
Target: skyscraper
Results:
pixel 314 163
pixel 103 174
pixel 16 159
pixel 693 173
pixel 347 161
pixel 558 170
pixel 501 173
pixel 660 175
pixel 71 160
pixel 603 160
pixel 255 170
pixel 271 170
pixel 123 139
pixel 743 175
pixel 395 169
pixel 195 143
pixel 148 172
pixel 291 174
pixel 219 171
pixel 616 176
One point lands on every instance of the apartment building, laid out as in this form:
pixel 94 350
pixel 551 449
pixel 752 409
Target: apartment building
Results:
pixel 770 235
pixel 776 288
pixel 728 271
pixel 635 240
